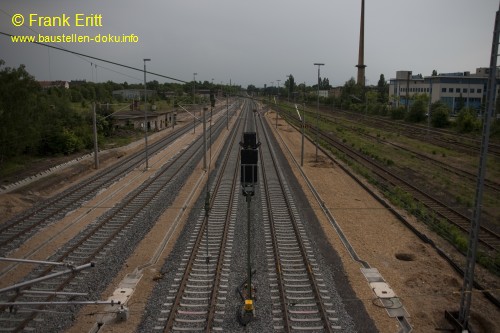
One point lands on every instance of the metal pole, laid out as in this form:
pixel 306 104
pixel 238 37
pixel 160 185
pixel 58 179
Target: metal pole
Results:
pixel 227 111
pixel 61 303
pixel 466 300
pixel 277 103
pixel 289 84
pixel 194 122
pixel 303 133
pixel 145 115
pixel 317 112
pixel 46 277
pixel 408 92
pixel 38 262
pixel 249 264
pixel 173 115
pixel 96 146
pixel 210 135
pixel 430 104
pixel 204 140
pixel 194 87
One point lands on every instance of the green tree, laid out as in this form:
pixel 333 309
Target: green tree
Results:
pixel 467 120
pixel 418 108
pixel 398 113
pixel 352 93
pixel 19 119
pixel 290 84
pixel 460 103
pixel 440 115
pixel 382 90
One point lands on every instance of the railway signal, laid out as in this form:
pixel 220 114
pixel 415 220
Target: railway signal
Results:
pixel 249 176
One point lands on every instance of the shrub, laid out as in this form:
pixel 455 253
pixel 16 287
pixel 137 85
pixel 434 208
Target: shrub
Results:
pixel 467 121
pixel 398 113
pixel 440 117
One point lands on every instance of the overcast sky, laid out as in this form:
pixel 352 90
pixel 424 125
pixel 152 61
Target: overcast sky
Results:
pixel 256 42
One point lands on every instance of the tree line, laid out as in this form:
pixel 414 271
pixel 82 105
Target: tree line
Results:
pixel 55 121
pixel 38 122
pixel 374 100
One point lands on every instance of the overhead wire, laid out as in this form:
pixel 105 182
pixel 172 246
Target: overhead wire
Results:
pixel 63 49
pixel 81 57
pixel 100 59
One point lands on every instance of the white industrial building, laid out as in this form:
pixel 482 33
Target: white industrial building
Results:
pixel 453 89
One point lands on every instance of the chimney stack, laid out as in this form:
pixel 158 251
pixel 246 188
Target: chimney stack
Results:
pixel 361 66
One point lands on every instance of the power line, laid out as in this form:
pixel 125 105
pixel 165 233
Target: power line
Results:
pixel 36 32
pixel 99 59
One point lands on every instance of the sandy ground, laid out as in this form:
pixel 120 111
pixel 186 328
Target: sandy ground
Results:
pixel 427 285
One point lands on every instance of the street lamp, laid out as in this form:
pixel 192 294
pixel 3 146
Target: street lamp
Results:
pixel 194 86
pixel 145 114
pixel 289 84
pixel 277 104
pixel 317 111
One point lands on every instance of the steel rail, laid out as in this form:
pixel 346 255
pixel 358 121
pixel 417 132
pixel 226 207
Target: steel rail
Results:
pixel 190 153
pixel 84 189
pixel 317 295
pixel 176 304
pixel 489 238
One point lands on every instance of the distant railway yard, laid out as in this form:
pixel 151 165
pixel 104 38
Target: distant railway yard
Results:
pixel 366 233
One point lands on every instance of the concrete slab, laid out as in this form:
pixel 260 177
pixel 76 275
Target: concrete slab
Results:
pixel 382 290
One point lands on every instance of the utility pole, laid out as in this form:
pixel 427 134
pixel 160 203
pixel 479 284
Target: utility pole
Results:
pixel 194 87
pixel 303 134
pixel 145 114
pixel 430 105
pixel 96 146
pixel 204 140
pixel 408 92
pixel 277 105
pixel 289 86
pixel 466 299
pixel 317 111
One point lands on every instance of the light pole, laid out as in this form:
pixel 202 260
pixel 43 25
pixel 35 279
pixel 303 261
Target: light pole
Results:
pixel 277 103
pixel 194 86
pixel 317 111
pixel 145 114
pixel 289 84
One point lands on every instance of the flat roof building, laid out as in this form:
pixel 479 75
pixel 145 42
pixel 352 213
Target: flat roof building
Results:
pixel 456 90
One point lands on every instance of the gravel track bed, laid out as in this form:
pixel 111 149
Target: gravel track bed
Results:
pixel 109 262
pixel 158 300
pixel 352 316
pixel 351 313
pixel 95 280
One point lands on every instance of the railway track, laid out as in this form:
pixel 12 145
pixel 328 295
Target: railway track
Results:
pixel 197 299
pixel 21 227
pixel 301 299
pixel 433 135
pixel 472 177
pixel 208 263
pixel 488 238
pixel 101 243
